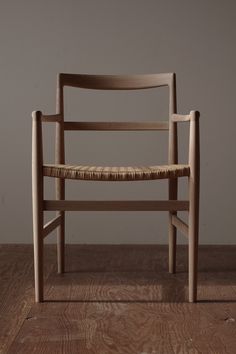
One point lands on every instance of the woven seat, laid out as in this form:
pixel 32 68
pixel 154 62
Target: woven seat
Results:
pixel 99 173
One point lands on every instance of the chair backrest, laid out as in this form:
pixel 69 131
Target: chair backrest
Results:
pixel 116 82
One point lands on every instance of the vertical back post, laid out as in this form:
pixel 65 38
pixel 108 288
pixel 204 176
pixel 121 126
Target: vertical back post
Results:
pixel 60 183
pixel 172 159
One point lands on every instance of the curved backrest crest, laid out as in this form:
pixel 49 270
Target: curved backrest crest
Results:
pixel 116 82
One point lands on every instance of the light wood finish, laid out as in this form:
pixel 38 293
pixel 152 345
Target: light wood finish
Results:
pixel 51 225
pixel 173 183
pixel 116 126
pixel 37 193
pixel 60 182
pixel 118 82
pixel 180 225
pixel 194 162
pixel 52 118
pixel 117 299
pixel 116 205
pixel 180 117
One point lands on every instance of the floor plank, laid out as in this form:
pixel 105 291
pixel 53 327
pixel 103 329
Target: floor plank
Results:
pixel 120 299
pixel 16 290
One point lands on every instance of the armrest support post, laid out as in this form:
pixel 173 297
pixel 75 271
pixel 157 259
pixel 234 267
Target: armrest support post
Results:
pixel 37 144
pixel 194 142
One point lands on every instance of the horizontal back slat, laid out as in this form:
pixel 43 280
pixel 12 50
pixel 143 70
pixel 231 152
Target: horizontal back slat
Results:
pixel 116 126
pixel 116 82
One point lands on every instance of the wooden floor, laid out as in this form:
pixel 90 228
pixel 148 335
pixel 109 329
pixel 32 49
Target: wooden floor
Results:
pixel 117 299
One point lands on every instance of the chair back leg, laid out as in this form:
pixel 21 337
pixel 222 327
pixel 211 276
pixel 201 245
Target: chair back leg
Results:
pixel 61 244
pixel 172 229
pixel 60 183
pixel 193 238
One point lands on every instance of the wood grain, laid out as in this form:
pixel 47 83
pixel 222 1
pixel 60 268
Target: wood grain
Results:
pixel 118 299
pixel 17 288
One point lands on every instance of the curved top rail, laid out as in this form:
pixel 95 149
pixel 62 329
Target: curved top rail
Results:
pixel 116 82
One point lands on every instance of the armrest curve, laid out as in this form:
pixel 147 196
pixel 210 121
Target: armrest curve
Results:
pixel 193 115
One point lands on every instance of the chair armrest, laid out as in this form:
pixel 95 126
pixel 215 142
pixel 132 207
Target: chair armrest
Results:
pixel 194 136
pixel 51 118
pixel 194 145
pixel 178 118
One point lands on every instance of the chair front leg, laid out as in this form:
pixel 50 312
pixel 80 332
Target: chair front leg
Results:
pixel 194 179
pixel 38 249
pixel 37 199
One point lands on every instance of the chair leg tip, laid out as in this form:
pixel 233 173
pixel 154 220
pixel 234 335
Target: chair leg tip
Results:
pixel 60 270
pixel 39 296
pixel 172 270
pixel 192 299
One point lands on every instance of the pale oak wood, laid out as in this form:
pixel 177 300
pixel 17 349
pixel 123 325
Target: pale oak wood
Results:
pixel 129 83
pixel 180 117
pixel 116 126
pixel 180 225
pixel 37 195
pixel 194 180
pixel 194 162
pixel 60 182
pixel 116 205
pixel 173 183
pixel 116 82
pixel 51 118
pixel 51 225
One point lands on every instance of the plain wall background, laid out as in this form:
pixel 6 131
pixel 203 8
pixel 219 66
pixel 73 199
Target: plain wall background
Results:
pixel 195 39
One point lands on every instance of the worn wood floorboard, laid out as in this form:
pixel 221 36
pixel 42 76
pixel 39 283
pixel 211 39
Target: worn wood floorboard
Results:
pixel 16 288
pixel 121 299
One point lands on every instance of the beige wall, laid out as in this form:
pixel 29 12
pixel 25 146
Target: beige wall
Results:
pixel 195 39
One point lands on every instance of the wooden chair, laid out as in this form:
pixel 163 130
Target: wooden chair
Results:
pixel 61 171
